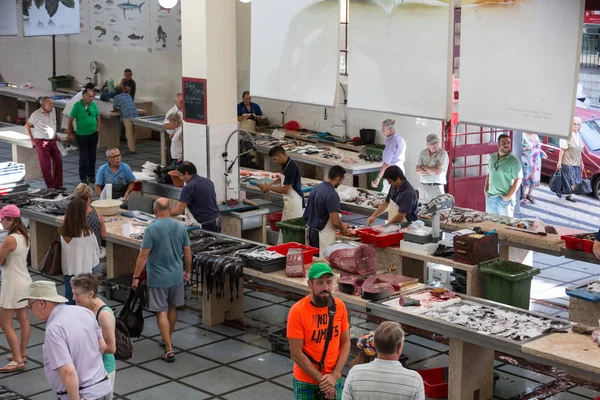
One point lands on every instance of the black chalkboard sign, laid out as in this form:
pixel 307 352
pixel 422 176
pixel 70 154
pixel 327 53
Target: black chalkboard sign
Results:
pixel 194 100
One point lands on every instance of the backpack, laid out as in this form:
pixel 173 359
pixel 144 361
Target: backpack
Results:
pixel 131 314
pixel 124 346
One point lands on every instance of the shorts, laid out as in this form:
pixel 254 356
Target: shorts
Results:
pixel 161 299
pixel 308 391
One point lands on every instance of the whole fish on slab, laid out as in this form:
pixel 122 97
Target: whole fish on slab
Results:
pixel 128 6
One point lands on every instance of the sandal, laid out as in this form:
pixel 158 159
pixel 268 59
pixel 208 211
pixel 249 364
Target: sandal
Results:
pixel 530 198
pixel 168 356
pixel 12 367
pixel 10 358
pixel 524 201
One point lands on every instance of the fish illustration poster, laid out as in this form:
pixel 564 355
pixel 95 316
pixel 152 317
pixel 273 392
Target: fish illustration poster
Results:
pixel 401 56
pixel 8 18
pixel 119 23
pixel 165 28
pixel 50 17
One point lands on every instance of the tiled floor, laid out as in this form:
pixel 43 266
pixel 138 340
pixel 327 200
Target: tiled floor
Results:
pixel 223 362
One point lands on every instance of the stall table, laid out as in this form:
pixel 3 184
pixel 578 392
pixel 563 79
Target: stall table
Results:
pixel 155 123
pixel 22 149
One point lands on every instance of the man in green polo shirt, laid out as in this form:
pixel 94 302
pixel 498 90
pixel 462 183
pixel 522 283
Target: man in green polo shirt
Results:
pixel 505 174
pixel 85 113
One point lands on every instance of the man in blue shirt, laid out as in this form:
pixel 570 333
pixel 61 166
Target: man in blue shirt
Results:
pixel 246 109
pixel 199 196
pixel 323 205
pixel 165 241
pixel 117 173
pixel 404 197
pixel 393 154
pixel 290 172
pixel 124 103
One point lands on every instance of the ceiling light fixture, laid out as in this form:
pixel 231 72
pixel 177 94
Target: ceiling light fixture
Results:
pixel 168 4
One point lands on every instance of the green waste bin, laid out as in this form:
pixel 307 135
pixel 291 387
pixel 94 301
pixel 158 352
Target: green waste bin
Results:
pixel 375 150
pixel 61 81
pixel 508 282
pixel 293 230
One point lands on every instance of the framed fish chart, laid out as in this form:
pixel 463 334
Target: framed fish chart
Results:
pixel 50 17
pixel 119 23
pixel 165 28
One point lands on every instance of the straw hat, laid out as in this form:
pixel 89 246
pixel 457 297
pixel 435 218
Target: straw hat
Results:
pixel 44 290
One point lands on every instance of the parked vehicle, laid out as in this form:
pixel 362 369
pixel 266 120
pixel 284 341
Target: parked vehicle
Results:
pixel 590 132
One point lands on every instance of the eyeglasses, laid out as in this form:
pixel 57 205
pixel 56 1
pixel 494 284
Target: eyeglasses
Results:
pixel 115 156
pixel 31 304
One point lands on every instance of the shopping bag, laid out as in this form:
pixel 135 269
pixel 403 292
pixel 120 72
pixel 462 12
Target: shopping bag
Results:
pixel 51 264
pixel 556 183
pixel 132 312
pixel 584 187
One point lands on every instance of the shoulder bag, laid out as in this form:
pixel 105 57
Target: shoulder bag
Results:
pixel 51 264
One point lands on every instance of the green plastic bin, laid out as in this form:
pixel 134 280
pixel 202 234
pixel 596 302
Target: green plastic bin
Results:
pixel 508 282
pixel 375 150
pixel 61 81
pixel 293 230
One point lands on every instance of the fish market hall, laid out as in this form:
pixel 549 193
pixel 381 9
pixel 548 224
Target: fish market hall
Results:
pixel 303 199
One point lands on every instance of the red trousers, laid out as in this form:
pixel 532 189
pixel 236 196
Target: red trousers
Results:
pixel 51 162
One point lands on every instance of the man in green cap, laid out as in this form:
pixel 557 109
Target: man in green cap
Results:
pixel 319 335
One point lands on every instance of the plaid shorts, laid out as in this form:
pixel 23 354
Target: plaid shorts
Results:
pixel 307 391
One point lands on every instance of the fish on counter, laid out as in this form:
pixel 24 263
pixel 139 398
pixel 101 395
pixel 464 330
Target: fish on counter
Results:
pixel 101 30
pixel 133 36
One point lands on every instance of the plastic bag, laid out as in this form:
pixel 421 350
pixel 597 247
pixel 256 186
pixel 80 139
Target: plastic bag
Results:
pixel 337 246
pixel 348 194
pixel 294 265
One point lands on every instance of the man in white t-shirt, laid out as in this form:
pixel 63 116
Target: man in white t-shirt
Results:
pixel 173 124
pixel 41 128
pixel 67 111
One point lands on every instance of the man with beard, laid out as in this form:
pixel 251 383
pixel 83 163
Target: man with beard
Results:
pixel 322 213
pixel 505 174
pixel 319 335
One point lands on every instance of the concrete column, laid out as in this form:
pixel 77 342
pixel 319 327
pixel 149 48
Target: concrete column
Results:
pixel 209 52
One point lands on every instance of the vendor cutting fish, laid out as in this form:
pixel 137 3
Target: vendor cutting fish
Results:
pixel 401 202
pixel 199 197
pixel 322 213
pixel 288 185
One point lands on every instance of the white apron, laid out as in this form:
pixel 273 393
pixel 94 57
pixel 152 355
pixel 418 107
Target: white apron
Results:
pixel 392 210
pixel 292 207
pixel 326 237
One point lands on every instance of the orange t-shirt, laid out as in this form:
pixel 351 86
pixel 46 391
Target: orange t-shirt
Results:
pixel 309 323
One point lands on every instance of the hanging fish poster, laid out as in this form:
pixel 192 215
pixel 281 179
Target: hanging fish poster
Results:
pixel 50 17
pixel 133 21
pixel 165 28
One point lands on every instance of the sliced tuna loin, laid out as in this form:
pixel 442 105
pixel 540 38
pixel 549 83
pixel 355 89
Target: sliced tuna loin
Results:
pixel 350 284
pixel 374 289
pixel 397 280
pixel 360 260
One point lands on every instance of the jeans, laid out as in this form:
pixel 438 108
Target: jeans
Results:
pixel 68 289
pixel 495 205
pixel 87 155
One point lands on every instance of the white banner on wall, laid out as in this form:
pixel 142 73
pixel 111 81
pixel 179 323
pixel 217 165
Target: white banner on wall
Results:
pixel 519 64
pixel 294 52
pixel 165 28
pixel 50 17
pixel 400 55
pixel 8 18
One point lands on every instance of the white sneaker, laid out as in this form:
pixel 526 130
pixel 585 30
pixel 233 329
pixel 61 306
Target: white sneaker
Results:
pixel 71 147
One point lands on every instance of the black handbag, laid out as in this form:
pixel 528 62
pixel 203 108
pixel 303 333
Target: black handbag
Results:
pixel 132 312
pixel 51 264
pixel 556 183
pixel 584 187
pixel 162 174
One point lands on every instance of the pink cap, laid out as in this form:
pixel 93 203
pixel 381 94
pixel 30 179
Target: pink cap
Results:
pixel 10 211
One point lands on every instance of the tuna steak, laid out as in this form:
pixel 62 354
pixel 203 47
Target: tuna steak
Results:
pixel 360 260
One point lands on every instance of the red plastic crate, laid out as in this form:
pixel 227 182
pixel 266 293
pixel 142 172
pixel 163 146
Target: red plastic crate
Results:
pixel 370 235
pixel 574 242
pixel 434 380
pixel 307 253
pixel 273 218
